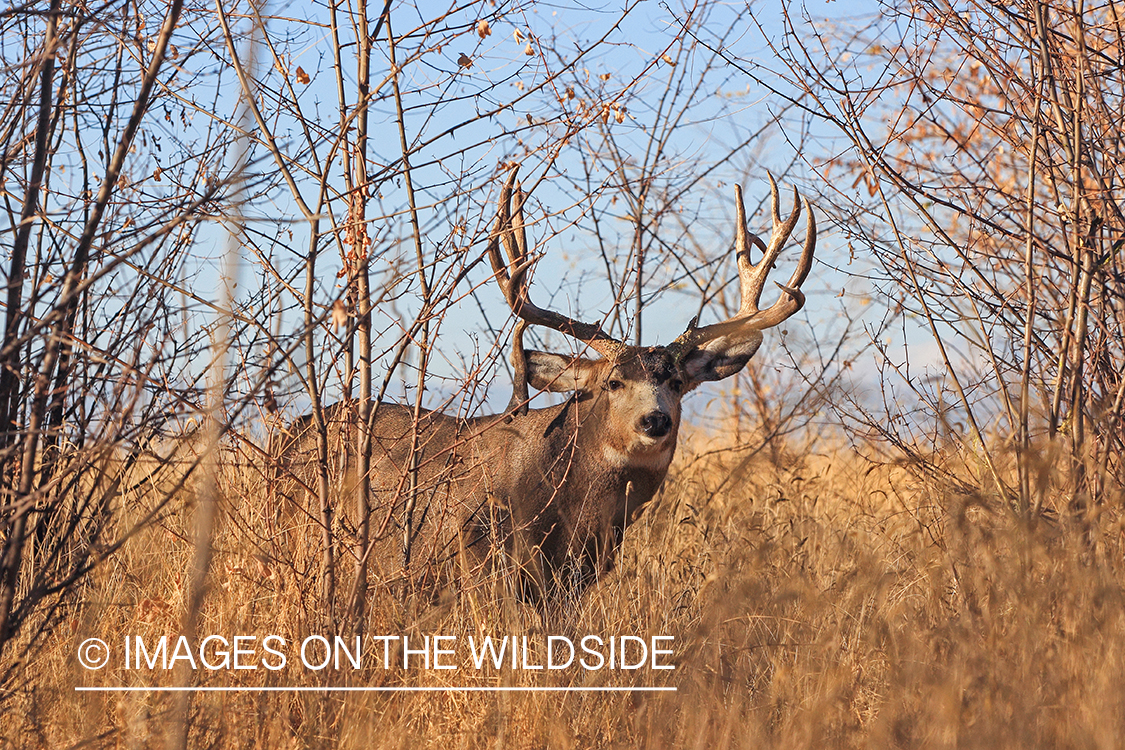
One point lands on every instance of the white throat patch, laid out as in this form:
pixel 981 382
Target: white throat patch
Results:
pixel 657 460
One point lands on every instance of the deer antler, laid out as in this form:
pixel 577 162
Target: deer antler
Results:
pixel 752 278
pixel 513 277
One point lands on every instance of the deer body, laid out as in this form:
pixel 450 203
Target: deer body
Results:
pixel 553 487
pixel 549 489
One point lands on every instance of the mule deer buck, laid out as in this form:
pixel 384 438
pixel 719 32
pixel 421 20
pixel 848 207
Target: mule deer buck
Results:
pixel 552 489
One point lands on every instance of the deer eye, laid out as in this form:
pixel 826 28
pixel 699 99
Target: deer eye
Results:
pixel 614 385
pixel 676 385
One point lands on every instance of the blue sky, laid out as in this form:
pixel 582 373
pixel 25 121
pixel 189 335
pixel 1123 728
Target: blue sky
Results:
pixel 729 131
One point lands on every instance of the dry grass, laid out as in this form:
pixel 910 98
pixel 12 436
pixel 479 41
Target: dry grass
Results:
pixel 816 601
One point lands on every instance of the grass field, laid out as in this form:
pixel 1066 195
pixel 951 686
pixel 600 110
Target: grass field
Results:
pixel 815 600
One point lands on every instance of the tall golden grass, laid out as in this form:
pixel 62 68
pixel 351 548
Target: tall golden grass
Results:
pixel 816 600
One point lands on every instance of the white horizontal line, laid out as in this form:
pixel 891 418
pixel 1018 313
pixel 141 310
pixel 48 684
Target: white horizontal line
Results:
pixel 431 689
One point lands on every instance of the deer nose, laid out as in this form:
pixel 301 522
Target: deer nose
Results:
pixel 655 424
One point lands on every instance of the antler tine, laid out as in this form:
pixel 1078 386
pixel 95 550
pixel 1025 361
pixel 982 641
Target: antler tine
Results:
pixel 804 265
pixel 752 277
pixel 742 241
pixel 515 242
pixel 500 234
pixel 753 280
pixel 511 230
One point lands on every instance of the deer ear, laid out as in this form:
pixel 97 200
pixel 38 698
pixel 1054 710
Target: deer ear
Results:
pixel 558 373
pixel 720 359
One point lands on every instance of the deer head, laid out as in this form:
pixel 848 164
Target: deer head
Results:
pixel 638 389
